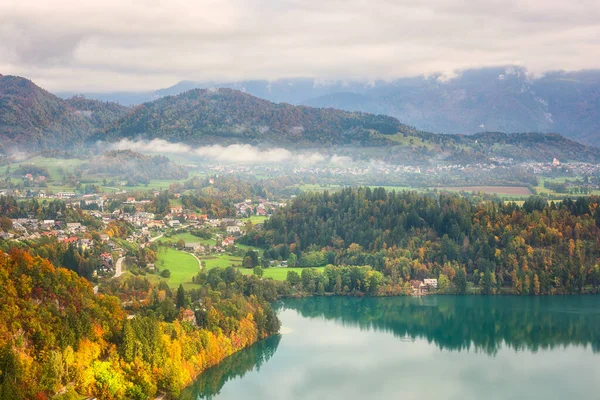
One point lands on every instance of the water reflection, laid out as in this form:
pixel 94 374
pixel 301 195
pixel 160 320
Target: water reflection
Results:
pixel 468 322
pixel 476 347
pixel 237 365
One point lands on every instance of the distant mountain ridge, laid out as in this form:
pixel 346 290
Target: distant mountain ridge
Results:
pixel 33 117
pixel 503 99
pixel 226 116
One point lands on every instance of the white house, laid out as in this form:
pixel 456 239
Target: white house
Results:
pixel 431 282
pixel 233 229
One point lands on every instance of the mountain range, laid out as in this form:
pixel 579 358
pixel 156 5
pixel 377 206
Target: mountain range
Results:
pixel 31 116
pixel 503 99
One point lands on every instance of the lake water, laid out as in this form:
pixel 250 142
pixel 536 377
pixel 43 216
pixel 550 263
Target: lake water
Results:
pixel 434 347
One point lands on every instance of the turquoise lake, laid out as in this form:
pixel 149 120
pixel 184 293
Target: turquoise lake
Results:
pixel 433 347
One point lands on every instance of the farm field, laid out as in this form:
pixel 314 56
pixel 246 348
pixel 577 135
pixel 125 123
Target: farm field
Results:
pixel 58 166
pixel 310 187
pixel 277 273
pixel 158 184
pixel 396 188
pixel 54 164
pixel 499 190
pixel 333 188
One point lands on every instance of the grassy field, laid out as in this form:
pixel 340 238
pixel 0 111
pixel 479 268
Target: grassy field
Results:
pixel 189 238
pixel 222 260
pixel 53 165
pixel 183 267
pixel 410 141
pixel 309 187
pixel 396 188
pixel 278 273
pixel 244 247
pixel 498 190
pixel 175 203
pixel 540 189
pixel 157 184
pixel 256 219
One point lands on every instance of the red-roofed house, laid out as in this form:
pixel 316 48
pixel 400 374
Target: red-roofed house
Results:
pixel 227 241
pixel 188 316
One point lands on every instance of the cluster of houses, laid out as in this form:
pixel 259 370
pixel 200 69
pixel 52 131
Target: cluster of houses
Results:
pixel 420 288
pixel 261 207
pixel 106 267
pixel 222 243
pixel 32 228
pixel 579 168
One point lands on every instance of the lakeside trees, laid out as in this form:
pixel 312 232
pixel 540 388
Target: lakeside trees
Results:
pixel 536 248
pixel 55 332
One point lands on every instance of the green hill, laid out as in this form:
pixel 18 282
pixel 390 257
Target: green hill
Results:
pixel 230 116
pixel 32 116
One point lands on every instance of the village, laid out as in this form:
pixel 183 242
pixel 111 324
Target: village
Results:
pixel 89 226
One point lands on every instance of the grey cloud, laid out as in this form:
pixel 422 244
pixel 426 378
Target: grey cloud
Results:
pixel 133 45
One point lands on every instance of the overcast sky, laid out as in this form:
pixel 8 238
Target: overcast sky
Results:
pixel 111 45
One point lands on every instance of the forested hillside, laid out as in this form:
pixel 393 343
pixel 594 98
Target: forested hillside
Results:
pixel 536 248
pixel 31 116
pixel 136 167
pixel 226 115
pixel 229 116
pixel 423 147
pixel 99 113
pixel 503 98
pixel 57 335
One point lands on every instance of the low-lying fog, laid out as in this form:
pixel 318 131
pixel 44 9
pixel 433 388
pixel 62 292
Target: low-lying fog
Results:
pixel 235 153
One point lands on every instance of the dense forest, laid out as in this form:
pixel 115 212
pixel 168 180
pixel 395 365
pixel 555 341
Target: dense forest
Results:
pixel 99 113
pixel 202 115
pixel 58 336
pixel 135 167
pixel 536 248
pixel 31 116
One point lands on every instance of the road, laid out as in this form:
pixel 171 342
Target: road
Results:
pixel 155 238
pixel 197 259
pixel 151 240
pixel 119 267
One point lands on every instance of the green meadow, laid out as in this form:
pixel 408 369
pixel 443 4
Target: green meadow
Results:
pixel 277 273
pixel 183 267
pixel 222 260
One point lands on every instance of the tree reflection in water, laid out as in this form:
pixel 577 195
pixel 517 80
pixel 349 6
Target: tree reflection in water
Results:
pixel 452 323
pixel 482 323
pixel 211 381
